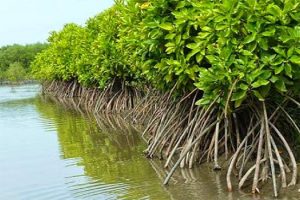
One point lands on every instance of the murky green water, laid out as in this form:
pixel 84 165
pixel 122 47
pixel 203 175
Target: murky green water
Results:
pixel 48 151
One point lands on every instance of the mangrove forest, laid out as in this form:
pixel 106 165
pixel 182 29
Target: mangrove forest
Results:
pixel 202 82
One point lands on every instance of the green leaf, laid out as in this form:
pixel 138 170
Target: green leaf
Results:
pixel 274 10
pixel 212 59
pixel 290 52
pixel 177 39
pixel 280 51
pixel 279 69
pixel 259 83
pixel 181 4
pixel 246 53
pixel 170 44
pixel 269 33
pixel 271 19
pixel 243 86
pixel 252 46
pixel 207 29
pixel 263 43
pixel 297 50
pixel 250 38
pixel 203 101
pixel 170 36
pixel 166 26
pixel 203 35
pixel 265 74
pixel 219 18
pixel 280 85
pixel 170 50
pixel 274 79
pixel 288 70
pixel 295 59
pixel 193 45
pixel 278 60
pixel 258 95
pixel 221 27
pixel 199 57
pixel 192 53
pixel 295 16
pixel 240 94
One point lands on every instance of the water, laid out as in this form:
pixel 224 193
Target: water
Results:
pixel 48 151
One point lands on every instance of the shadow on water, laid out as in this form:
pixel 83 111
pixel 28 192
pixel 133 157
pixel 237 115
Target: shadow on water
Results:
pixel 96 157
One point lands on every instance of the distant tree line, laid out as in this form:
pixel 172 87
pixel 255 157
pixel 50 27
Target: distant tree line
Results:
pixel 15 61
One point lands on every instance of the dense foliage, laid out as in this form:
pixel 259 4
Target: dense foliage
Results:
pixel 235 49
pixel 15 60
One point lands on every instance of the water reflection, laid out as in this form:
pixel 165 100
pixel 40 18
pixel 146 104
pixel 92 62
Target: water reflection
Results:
pixel 111 159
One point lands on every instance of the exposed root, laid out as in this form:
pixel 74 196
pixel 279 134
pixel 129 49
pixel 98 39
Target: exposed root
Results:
pixel 266 151
pixel 185 134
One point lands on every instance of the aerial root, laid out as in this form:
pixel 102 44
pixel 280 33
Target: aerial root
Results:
pixel 267 154
pixel 184 134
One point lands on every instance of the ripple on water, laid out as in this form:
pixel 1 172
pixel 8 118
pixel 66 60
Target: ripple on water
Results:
pixel 95 189
pixel 39 192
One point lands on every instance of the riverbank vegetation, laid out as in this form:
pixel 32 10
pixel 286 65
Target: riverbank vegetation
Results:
pixel 15 61
pixel 206 78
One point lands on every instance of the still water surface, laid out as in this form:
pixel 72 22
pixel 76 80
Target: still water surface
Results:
pixel 49 151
